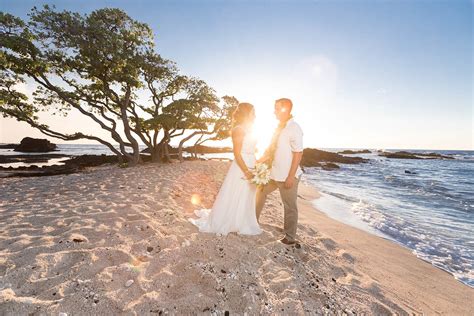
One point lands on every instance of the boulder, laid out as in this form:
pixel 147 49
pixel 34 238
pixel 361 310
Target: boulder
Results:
pixel 313 157
pixel 35 145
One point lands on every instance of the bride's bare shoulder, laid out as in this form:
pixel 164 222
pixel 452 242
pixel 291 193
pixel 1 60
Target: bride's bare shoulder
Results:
pixel 238 131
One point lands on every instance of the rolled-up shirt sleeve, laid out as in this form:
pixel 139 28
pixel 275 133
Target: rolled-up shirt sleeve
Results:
pixel 296 138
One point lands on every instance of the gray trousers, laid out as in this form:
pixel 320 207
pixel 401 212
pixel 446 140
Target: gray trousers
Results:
pixel 288 197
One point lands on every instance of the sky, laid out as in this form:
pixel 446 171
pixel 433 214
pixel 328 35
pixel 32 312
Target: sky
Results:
pixel 361 74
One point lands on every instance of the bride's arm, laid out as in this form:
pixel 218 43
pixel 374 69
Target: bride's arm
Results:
pixel 265 157
pixel 237 140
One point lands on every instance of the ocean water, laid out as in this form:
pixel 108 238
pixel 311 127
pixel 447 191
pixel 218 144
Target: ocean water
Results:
pixel 430 212
pixel 70 149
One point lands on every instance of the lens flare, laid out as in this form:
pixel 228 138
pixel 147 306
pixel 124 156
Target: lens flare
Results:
pixel 134 265
pixel 195 199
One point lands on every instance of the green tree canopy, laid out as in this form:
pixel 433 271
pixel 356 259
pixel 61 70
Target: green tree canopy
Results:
pixel 104 65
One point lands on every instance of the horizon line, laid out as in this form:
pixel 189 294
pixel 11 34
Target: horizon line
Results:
pixel 357 148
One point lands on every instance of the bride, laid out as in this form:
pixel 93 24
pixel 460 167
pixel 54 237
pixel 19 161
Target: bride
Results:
pixel 234 207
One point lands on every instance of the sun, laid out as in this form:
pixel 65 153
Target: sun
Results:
pixel 262 131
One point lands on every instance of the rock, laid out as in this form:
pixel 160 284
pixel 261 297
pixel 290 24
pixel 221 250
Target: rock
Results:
pixel 171 150
pixel 8 146
pixel 435 155
pixel 400 155
pixel 32 145
pixel 352 152
pixel 91 160
pixel 410 172
pixel 149 249
pixel 72 165
pixel 313 157
pixel 29 158
pixel 410 155
pixel 129 283
pixel 329 166
pixel 38 172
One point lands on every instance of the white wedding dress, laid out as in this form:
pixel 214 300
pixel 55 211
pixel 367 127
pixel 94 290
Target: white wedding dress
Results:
pixel 234 207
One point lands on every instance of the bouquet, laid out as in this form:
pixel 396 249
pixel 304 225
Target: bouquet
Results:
pixel 261 174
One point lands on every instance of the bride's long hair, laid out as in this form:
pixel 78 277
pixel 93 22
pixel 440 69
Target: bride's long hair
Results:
pixel 242 114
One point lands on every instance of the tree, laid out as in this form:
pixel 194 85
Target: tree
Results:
pixel 105 66
pixel 88 63
pixel 181 104
pixel 217 127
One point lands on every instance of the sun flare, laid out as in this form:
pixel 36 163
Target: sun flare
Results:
pixel 195 199
pixel 262 131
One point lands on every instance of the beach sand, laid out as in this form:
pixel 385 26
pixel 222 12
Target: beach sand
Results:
pixel 113 240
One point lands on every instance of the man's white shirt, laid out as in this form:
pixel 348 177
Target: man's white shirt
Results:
pixel 290 140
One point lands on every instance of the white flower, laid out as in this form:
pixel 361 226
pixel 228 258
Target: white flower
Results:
pixel 261 174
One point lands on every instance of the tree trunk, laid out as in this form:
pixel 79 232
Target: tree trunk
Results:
pixel 167 153
pixel 155 153
pixel 180 152
pixel 134 159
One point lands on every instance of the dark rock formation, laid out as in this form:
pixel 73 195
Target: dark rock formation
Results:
pixel 313 157
pixel 410 155
pixel 72 165
pixel 91 160
pixel 35 171
pixel 29 158
pixel 8 146
pixel 171 150
pixel 400 155
pixel 35 145
pixel 435 156
pixel 353 152
pixel 329 166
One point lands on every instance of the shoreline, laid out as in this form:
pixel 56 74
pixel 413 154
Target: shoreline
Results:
pixel 374 232
pixel 403 276
pixel 113 240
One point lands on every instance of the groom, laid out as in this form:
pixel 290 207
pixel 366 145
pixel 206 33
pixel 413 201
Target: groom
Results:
pixel 284 156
